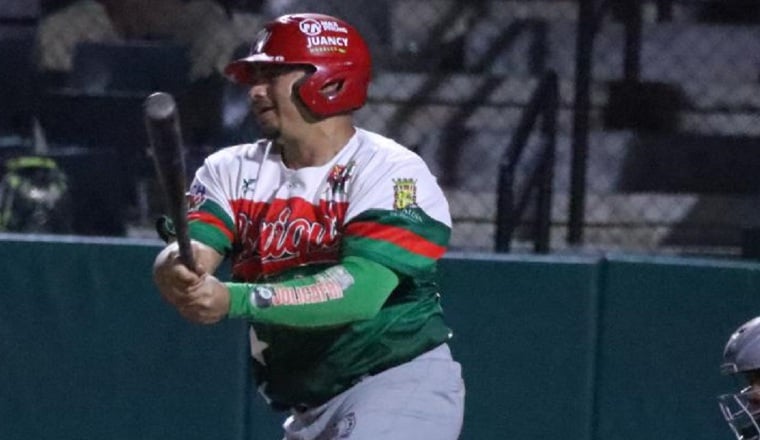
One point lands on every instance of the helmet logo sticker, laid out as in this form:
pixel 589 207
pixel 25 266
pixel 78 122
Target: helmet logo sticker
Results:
pixel 314 27
pixel 327 44
pixel 310 27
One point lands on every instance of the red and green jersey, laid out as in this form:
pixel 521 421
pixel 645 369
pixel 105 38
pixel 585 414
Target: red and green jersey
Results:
pixel 374 201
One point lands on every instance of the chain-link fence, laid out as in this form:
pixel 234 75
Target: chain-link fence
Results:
pixel 655 151
pixel 673 126
pixel 668 151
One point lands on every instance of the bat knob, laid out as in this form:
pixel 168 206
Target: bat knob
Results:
pixel 160 105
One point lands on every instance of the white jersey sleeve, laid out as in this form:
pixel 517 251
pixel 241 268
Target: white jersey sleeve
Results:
pixel 398 214
pixel 223 179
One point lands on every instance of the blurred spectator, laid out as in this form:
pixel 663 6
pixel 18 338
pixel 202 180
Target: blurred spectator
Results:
pixel 205 26
pixel 370 18
pixel 59 33
pixel 19 10
pixel 253 6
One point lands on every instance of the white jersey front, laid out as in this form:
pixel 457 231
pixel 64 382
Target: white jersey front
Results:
pixel 375 198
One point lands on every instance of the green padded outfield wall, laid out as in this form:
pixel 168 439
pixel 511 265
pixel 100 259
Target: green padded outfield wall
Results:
pixel 88 350
pixel 552 347
pixel 524 331
pixel 664 323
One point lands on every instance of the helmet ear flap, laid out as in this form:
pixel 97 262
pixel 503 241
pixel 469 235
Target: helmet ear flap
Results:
pixel 349 92
pixel 332 89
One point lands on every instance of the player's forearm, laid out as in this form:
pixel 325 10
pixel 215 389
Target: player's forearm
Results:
pixel 353 290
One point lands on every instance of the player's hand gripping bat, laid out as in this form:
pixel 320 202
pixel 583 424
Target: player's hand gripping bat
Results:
pixel 167 152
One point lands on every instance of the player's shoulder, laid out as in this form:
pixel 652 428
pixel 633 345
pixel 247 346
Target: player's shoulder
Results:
pixel 383 150
pixel 235 153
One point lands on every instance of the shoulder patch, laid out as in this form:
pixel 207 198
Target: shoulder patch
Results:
pixel 404 193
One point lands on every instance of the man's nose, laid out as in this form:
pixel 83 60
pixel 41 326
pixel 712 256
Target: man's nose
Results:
pixel 258 89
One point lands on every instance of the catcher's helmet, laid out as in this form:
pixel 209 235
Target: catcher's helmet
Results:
pixel 333 48
pixel 742 352
pixel 742 355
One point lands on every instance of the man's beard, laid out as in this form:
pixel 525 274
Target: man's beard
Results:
pixel 270 133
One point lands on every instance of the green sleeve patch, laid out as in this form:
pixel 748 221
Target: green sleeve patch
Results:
pixel 352 291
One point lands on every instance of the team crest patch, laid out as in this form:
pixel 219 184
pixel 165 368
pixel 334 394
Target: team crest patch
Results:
pixel 404 193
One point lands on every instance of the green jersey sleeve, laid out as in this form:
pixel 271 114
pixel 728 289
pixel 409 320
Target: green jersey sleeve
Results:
pixel 351 291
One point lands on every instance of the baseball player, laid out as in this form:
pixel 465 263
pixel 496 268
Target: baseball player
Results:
pixel 333 234
pixel 742 357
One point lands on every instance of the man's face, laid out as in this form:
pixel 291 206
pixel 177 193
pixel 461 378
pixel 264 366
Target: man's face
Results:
pixel 753 390
pixel 273 102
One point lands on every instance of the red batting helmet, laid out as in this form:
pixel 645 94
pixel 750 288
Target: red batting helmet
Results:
pixel 331 46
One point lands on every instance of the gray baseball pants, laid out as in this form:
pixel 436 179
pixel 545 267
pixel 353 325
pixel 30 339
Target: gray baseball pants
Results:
pixel 421 399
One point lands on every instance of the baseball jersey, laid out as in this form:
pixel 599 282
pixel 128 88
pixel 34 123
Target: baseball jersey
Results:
pixel 375 200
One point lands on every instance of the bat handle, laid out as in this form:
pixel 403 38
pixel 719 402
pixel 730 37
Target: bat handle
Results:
pixel 186 255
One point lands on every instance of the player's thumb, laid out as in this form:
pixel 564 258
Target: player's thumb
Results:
pixel 200 269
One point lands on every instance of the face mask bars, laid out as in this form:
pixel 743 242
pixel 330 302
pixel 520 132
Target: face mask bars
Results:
pixel 741 411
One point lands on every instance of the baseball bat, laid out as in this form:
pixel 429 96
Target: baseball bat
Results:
pixel 168 155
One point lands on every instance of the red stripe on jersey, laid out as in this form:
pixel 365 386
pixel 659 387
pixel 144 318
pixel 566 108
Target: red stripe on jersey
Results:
pixel 212 220
pixel 399 236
